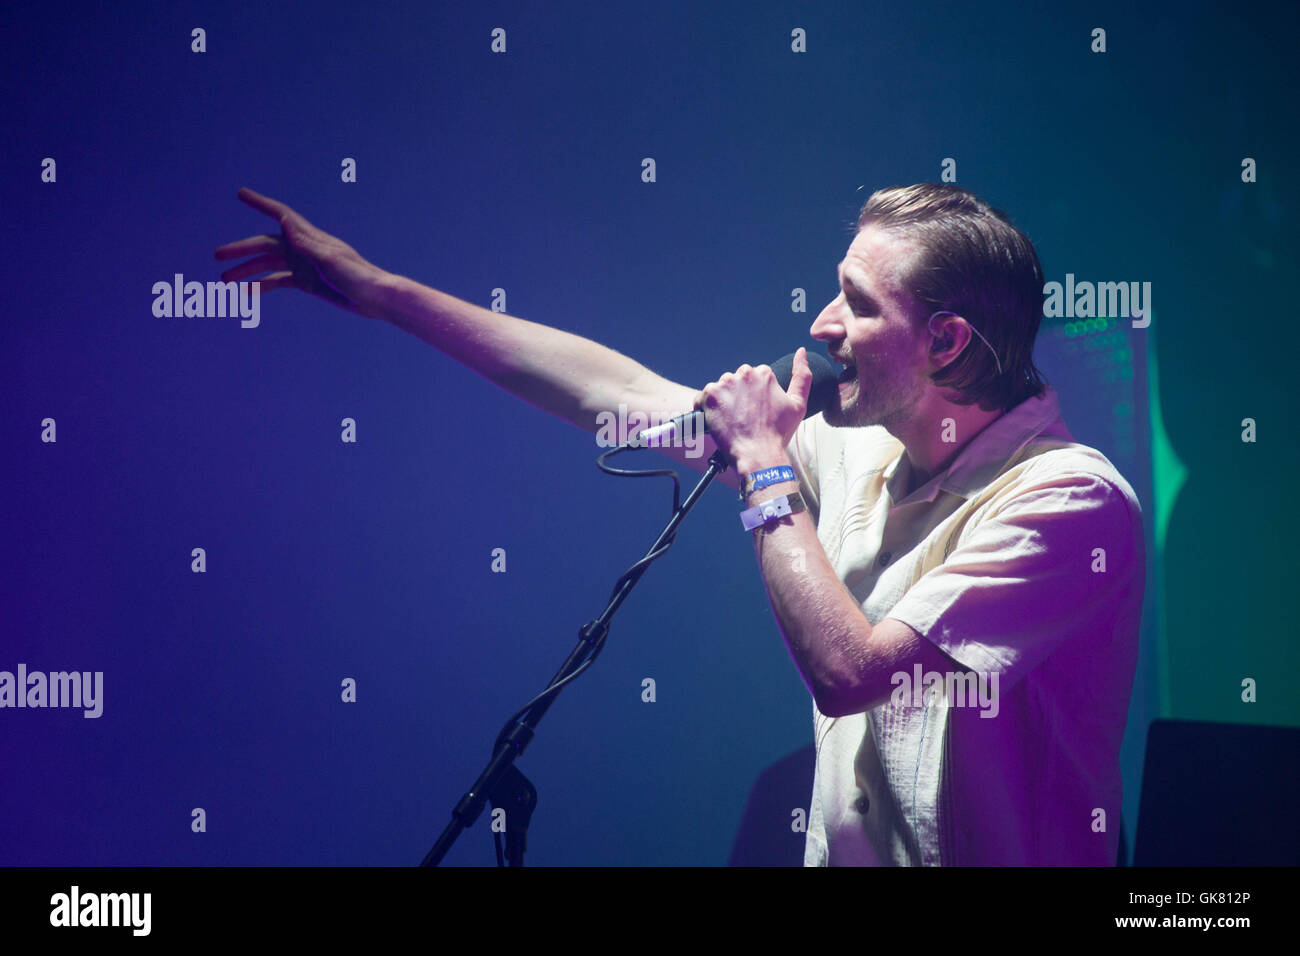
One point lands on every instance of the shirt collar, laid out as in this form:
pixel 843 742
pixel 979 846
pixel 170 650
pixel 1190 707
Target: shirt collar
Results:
pixel 988 452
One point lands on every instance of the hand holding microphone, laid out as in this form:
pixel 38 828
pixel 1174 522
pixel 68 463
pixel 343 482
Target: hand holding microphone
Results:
pixel 752 413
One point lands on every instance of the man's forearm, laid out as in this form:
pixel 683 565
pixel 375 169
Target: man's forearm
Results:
pixel 567 375
pixel 828 635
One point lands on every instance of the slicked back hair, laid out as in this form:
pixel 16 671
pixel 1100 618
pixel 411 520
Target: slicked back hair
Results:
pixel 974 263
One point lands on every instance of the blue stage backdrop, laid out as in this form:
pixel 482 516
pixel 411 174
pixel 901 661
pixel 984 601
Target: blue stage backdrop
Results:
pixel 276 541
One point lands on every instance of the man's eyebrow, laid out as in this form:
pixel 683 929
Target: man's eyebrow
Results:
pixel 839 274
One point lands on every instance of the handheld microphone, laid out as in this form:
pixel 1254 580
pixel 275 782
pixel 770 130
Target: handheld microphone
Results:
pixel 825 383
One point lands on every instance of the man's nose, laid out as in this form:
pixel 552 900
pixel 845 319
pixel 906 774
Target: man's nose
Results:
pixel 826 327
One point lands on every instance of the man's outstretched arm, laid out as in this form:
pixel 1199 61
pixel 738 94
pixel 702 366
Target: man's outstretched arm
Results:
pixel 571 377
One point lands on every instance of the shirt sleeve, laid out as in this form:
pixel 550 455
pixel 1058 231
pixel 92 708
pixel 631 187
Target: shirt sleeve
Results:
pixel 1062 552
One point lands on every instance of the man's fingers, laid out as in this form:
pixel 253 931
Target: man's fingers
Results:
pixel 276 280
pixel 273 208
pixel 267 263
pixel 249 247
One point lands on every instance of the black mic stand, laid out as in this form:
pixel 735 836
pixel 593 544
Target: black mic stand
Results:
pixel 501 781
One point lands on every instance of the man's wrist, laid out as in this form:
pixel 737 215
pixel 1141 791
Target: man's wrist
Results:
pixel 749 465
pixel 751 461
pixel 387 295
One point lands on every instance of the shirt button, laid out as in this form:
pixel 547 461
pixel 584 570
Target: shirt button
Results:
pixel 862 805
pixel 885 557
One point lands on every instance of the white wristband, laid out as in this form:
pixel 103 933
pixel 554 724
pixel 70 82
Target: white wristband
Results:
pixel 771 510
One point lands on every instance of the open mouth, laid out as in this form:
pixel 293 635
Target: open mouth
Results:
pixel 849 374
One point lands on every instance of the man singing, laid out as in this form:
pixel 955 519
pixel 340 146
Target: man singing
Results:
pixel 958 581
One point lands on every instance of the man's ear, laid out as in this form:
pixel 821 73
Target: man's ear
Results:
pixel 948 330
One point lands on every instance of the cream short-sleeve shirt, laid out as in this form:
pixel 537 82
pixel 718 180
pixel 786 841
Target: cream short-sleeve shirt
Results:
pixel 1023 562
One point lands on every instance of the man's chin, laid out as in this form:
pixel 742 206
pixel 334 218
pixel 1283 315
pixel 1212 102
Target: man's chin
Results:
pixel 840 415
pixel 837 415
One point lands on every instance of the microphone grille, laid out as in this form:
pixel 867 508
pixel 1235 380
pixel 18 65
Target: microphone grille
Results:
pixel 825 380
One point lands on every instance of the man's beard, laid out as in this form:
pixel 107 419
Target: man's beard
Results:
pixel 889 401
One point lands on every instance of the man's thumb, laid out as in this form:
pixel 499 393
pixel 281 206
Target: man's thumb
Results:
pixel 800 378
